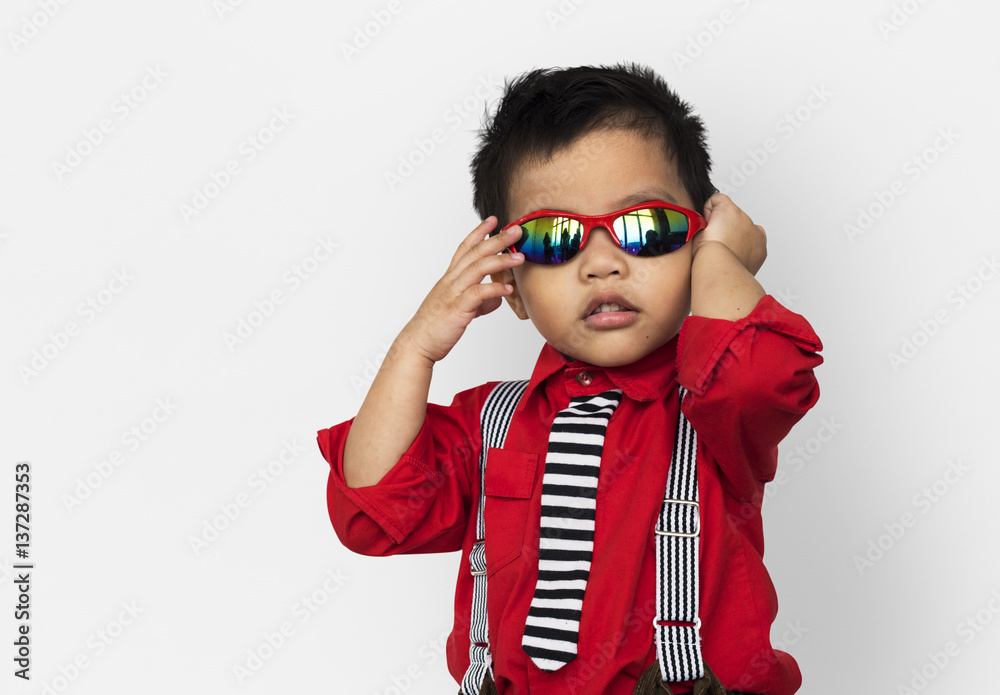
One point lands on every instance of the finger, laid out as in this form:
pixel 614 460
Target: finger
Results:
pixel 475 236
pixel 491 247
pixel 487 293
pixel 491 304
pixel 715 200
pixel 477 270
pixel 495 244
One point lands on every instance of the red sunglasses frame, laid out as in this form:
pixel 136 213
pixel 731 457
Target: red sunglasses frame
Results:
pixel 696 222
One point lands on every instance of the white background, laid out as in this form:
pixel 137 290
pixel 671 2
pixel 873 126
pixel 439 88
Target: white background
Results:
pixel 64 235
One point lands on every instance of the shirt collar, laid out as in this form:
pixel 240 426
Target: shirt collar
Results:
pixel 646 379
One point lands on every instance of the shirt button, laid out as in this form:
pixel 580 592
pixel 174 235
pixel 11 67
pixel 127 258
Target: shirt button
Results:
pixel 585 378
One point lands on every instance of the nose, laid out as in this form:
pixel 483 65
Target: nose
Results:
pixel 601 255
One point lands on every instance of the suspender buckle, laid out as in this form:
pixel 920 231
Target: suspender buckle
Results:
pixel 697 521
pixel 472 559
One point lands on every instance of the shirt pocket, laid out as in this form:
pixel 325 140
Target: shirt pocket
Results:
pixel 510 481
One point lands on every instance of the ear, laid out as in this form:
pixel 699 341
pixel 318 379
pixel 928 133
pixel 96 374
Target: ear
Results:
pixel 506 276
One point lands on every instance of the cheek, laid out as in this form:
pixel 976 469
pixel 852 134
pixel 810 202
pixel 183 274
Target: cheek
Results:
pixel 525 279
pixel 671 281
pixel 540 291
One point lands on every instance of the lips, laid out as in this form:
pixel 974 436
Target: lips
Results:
pixel 604 302
pixel 606 308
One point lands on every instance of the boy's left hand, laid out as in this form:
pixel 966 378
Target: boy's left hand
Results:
pixel 730 226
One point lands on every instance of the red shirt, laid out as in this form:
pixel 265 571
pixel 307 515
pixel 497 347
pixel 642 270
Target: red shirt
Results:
pixel 749 381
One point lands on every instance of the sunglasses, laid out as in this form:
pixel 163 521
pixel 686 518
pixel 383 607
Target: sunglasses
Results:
pixel 656 228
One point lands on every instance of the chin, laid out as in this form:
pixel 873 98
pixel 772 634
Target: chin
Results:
pixel 607 358
pixel 633 351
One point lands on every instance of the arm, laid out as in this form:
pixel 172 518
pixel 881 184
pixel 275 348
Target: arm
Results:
pixel 401 471
pixel 422 504
pixel 390 417
pixel 725 256
pixel 747 361
pixel 395 407
pixel 749 380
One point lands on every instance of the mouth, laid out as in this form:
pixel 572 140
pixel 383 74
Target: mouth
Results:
pixel 604 308
pixel 608 303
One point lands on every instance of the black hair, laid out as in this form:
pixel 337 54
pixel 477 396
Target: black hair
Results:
pixel 547 109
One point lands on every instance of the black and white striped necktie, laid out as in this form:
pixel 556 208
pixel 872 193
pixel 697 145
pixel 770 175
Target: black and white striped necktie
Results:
pixel 566 545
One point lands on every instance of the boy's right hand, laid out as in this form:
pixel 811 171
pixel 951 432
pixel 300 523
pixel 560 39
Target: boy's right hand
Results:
pixel 461 295
pixel 731 226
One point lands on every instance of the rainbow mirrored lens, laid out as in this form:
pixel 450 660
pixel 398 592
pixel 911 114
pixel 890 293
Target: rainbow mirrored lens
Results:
pixel 652 231
pixel 644 232
pixel 550 240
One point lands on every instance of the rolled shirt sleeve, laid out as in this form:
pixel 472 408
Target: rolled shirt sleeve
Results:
pixel 749 382
pixel 422 504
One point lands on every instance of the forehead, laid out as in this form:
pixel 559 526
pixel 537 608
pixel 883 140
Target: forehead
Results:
pixel 601 172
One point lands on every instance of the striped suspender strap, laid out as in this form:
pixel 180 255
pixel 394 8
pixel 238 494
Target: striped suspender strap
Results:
pixel 678 647
pixel 495 420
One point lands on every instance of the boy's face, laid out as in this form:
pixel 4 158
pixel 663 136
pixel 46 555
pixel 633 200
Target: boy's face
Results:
pixel 602 172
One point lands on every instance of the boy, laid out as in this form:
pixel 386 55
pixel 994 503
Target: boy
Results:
pixel 571 553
